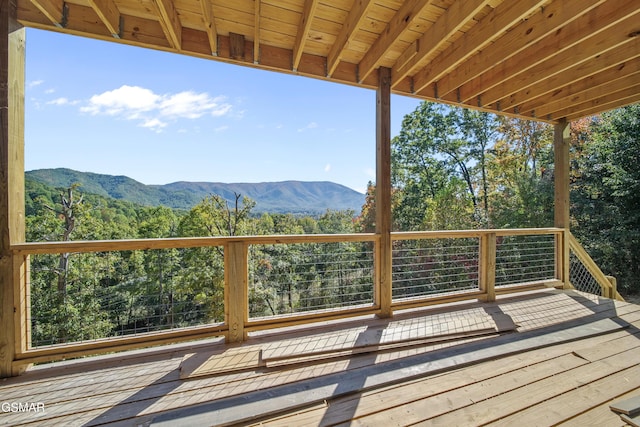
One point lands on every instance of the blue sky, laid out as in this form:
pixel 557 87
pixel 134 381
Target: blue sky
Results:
pixel 158 118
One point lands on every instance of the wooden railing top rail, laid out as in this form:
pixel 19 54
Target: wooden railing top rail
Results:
pixel 440 234
pixel 182 242
pixel 194 242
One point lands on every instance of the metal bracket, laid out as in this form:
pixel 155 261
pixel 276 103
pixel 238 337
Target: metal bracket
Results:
pixel 64 19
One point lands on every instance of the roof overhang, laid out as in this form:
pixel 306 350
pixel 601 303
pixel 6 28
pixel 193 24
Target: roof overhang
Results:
pixel 550 60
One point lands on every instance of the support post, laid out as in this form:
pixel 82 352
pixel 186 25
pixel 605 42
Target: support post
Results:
pixel 383 190
pixel 236 281
pixel 561 141
pixel 487 274
pixel 12 75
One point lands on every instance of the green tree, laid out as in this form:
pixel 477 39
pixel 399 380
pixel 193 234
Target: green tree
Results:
pixel 606 194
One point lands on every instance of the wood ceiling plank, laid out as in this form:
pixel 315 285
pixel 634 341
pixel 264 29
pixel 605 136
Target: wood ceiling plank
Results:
pixel 349 28
pixel 304 27
pixel 170 22
pixel 585 89
pixel 519 40
pixel 399 24
pixel 490 27
pixel 210 26
pixel 52 9
pixel 451 21
pixel 588 49
pixel 109 15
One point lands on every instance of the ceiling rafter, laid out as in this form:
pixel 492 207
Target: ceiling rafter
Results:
pixel 303 31
pixel 399 24
pixel 613 58
pixel 452 20
pixel 109 14
pixel 548 48
pixel 587 94
pixel 493 25
pixel 585 89
pixel 612 100
pixel 509 52
pixel 586 50
pixel 210 25
pixel 53 10
pixel 170 22
pixel 256 32
pixel 351 25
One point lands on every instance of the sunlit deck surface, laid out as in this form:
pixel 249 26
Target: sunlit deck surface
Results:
pixel 538 358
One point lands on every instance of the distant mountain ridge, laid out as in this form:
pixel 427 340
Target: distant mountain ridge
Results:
pixel 277 197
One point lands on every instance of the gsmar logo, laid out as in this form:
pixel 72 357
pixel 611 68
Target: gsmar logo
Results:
pixel 22 407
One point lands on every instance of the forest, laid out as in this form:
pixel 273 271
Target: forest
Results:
pixel 451 169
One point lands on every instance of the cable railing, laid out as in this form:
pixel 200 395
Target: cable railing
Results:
pixel 586 276
pixel 80 298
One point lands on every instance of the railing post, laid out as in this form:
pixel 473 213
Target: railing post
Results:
pixel 12 208
pixel 383 192
pixel 614 287
pixel 236 282
pixel 562 258
pixel 487 273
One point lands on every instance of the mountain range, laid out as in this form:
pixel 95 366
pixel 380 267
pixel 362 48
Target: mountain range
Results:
pixel 278 197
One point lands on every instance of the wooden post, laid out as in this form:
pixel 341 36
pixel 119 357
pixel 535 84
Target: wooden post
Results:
pixel 383 190
pixel 236 282
pixel 487 274
pixel 12 60
pixel 561 140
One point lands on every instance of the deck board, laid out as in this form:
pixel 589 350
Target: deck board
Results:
pixel 568 379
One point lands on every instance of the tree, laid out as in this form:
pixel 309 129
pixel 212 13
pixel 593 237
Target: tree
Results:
pixel 606 193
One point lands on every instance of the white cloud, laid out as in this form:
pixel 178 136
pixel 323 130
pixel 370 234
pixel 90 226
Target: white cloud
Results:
pixel 49 91
pixel 59 101
pixel 155 111
pixel 311 125
pixel 327 167
pixel 35 83
pixel 62 101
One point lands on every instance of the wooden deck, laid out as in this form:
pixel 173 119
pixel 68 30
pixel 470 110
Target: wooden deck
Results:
pixel 541 358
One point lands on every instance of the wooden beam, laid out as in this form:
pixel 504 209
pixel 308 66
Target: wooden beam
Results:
pixel 399 24
pixel 479 36
pixel 256 32
pixel 383 191
pixel 513 48
pixel 549 101
pixel 12 208
pixel 590 90
pixel 170 22
pixel 613 100
pixel 108 13
pixel 452 20
pixel 210 26
pixel 303 31
pixel 628 52
pixel 587 49
pixel 352 23
pixel 54 10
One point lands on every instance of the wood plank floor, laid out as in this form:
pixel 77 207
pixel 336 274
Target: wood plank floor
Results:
pixel 570 356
